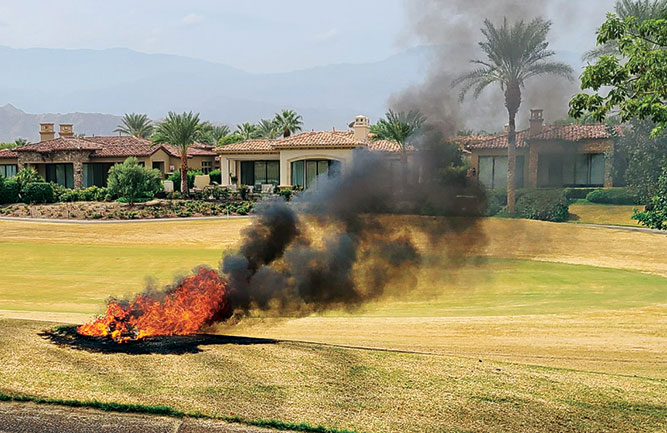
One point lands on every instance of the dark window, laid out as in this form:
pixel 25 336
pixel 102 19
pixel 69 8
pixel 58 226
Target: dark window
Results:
pixel 8 170
pixel 96 174
pixel 62 174
pixel 305 173
pixel 206 167
pixel 571 170
pixel 258 173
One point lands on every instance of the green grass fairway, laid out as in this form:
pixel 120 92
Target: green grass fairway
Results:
pixel 583 211
pixel 555 327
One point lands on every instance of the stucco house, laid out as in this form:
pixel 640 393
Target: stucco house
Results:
pixel 298 160
pixel 77 162
pixel 547 156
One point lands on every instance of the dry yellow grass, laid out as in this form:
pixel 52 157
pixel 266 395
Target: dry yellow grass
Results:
pixel 341 388
pixel 569 321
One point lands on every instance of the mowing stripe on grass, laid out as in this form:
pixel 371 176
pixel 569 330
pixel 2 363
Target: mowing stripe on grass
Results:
pixel 170 412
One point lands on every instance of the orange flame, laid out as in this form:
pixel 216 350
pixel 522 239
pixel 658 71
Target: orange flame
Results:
pixel 195 302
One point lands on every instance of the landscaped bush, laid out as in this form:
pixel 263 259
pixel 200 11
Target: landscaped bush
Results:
pixel 613 196
pixel 132 181
pixel 9 190
pixel 216 176
pixel 543 204
pixel 93 193
pixel 655 214
pixel 38 192
pixel 27 175
pixel 578 193
pixel 176 178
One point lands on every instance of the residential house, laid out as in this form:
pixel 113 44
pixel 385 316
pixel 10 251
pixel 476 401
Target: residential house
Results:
pixel 79 162
pixel 547 156
pixel 298 160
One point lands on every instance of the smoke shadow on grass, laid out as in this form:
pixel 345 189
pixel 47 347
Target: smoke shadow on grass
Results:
pixel 66 336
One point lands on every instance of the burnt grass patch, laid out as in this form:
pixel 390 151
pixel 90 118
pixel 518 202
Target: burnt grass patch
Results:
pixel 67 336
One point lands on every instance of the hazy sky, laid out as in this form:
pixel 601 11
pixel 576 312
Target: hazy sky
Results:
pixel 255 35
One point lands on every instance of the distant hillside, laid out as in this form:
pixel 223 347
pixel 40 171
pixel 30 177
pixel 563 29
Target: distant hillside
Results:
pixel 121 80
pixel 16 123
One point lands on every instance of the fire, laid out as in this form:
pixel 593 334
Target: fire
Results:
pixel 197 301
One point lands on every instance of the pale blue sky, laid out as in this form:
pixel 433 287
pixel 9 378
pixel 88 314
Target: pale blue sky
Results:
pixel 255 35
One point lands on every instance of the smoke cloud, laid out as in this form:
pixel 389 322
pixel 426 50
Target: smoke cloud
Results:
pixel 343 243
pixel 452 29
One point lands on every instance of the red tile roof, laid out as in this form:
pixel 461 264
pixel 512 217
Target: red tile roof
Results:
pixel 115 146
pixel 319 139
pixel 310 140
pixel 261 145
pixel 571 133
pixel 8 154
pixel 384 146
pixel 61 143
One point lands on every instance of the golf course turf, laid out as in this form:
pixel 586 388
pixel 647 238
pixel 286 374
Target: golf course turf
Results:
pixel 549 327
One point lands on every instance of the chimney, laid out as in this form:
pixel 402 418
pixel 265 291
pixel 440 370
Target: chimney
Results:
pixel 66 130
pixel 361 128
pixel 536 122
pixel 46 132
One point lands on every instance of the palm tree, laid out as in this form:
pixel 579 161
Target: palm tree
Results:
pixel 514 54
pixel 20 142
pixel 246 130
pixel 641 9
pixel 267 129
pixel 180 130
pixel 288 121
pixel 399 128
pixel 136 125
pixel 211 133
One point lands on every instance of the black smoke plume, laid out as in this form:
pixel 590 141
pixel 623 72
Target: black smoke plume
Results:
pixel 346 241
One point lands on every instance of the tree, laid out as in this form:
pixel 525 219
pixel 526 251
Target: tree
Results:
pixel 399 128
pixel 211 133
pixel 182 131
pixel 641 9
pixel 132 181
pixel 637 76
pixel 289 122
pixel 267 129
pixel 515 53
pixel 233 138
pixel 20 142
pixel 655 214
pixel 246 130
pixel 136 125
pixel 639 159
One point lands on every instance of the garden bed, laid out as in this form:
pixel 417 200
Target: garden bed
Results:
pixel 155 209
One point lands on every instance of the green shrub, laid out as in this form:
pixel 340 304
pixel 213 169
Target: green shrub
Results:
pixel 93 193
pixel 9 190
pixel 493 205
pixel 655 214
pixel 38 192
pixel 613 196
pixel 216 176
pixel 543 204
pixel 578 193
pixel 176 178
pixel 27 175
pixel 243 192
pixel 286 193
pixel 132 181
